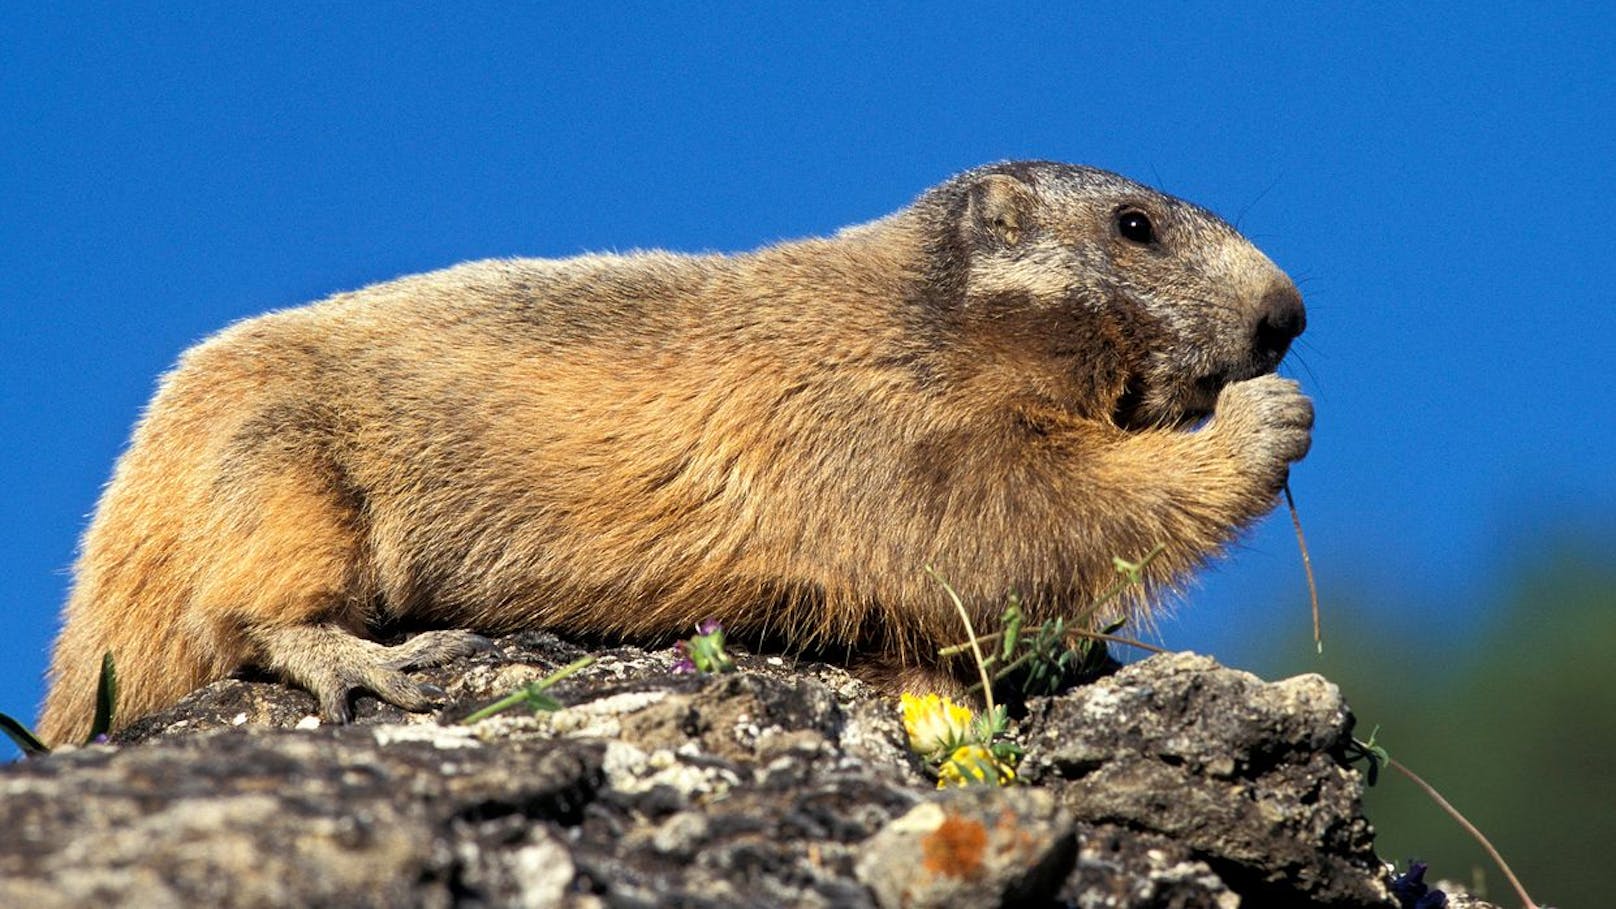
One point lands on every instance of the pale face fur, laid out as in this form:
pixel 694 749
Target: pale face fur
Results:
pixel 1196 307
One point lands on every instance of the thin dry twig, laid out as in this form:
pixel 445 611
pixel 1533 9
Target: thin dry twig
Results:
pixel 1307 566
pixel 1470 828
pixel 1118 639
pixel 957 649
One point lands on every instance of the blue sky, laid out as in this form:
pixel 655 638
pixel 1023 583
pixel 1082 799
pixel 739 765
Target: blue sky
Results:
pixel 1439 183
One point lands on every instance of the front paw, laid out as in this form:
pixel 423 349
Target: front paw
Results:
pixel 1267 424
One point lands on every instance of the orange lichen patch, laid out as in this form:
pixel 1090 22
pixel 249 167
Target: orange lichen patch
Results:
pixel 955 848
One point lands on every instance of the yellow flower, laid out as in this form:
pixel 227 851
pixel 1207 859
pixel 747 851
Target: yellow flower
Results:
pixel 974 765
pixel 935 724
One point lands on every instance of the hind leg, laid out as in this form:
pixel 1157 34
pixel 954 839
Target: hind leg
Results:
pixel 287 583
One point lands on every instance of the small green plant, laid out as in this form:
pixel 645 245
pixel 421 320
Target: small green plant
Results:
pixel 1373 754
pixel 532 695
pixel 1050 653
pixel 1046 652
pixel 704 651
pixel 106 703
pixel 965 749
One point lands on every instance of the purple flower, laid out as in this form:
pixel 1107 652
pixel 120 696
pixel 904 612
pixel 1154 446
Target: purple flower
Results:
pixel 684 664
pixel 705 651
pixel 1413 893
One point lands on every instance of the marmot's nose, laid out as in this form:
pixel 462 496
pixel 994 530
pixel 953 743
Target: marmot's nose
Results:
pixel 1280 319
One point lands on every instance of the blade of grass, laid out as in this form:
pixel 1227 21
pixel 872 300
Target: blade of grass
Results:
pixel 106 699
pixel 22 737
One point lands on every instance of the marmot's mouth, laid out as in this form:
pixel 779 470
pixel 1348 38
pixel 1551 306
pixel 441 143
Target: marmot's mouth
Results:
pixel 1128 410
pixel 1186 404
pixel 1201 395
pixel 1139 409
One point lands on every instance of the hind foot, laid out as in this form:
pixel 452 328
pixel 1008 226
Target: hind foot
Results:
pixel 897 679
pixel 331 662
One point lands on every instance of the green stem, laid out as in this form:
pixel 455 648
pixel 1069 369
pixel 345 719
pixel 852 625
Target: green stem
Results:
pixel 565 671
pixel 1009 667
pixel 499 706
pixel 511 700
pixel 970 633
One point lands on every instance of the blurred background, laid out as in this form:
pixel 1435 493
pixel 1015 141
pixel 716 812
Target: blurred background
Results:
pixel 1438 181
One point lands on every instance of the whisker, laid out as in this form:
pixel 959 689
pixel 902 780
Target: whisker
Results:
pixel 1252 204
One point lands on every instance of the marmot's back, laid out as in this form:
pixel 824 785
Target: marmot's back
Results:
pixel 1000 381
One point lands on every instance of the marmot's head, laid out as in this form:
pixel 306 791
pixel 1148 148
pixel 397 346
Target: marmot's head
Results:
pixel 1152 304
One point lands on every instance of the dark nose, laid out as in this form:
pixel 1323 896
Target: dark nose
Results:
pixel 1281 319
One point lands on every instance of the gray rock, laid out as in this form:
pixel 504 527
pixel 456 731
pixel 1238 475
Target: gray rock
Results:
pixel 1249 775
pixel 1173 783
pixel 270 817
pixel 971 847
pixel 1118 867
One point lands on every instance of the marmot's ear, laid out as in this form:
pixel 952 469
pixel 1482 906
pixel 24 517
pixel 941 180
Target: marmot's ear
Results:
pixel 999 210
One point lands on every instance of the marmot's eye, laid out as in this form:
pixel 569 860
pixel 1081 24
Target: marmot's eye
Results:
pixel 1133 225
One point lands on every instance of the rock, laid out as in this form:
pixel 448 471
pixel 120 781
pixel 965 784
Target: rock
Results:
pixel 1120 867
pixel 1172 783
pixel 268 817
pixel 971 847
pixel 1249 775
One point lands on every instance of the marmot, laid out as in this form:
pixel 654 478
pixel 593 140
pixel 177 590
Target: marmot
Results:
pixel 1032 369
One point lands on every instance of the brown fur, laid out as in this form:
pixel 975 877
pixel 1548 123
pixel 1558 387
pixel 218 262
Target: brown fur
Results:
pixel 993 381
